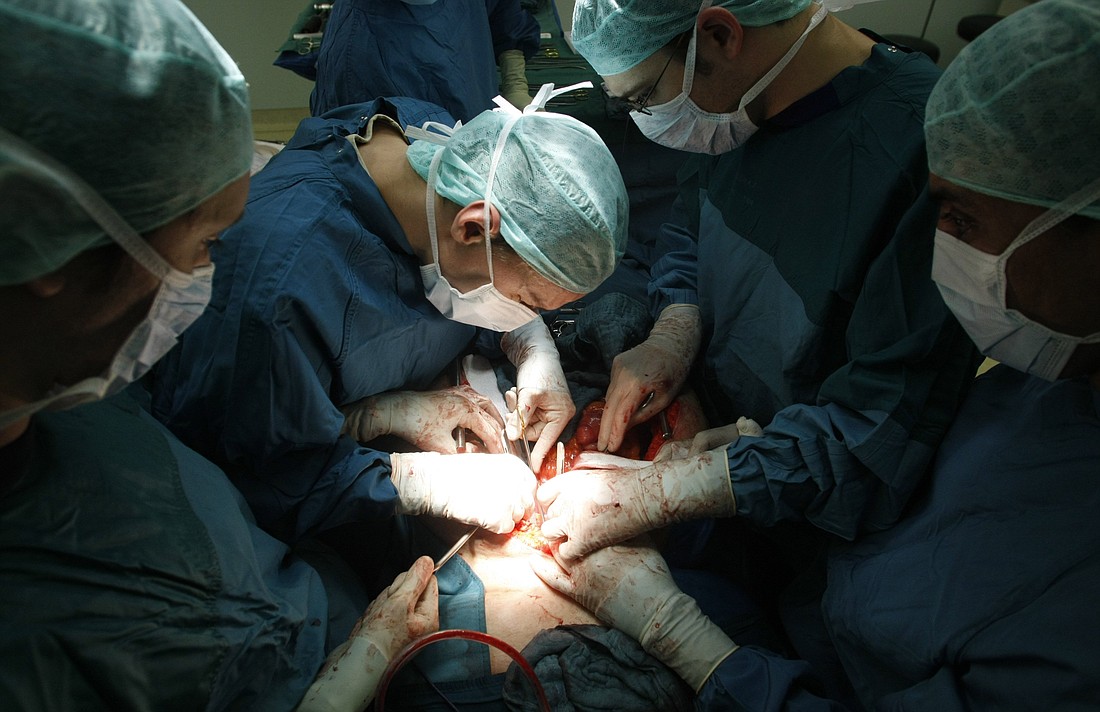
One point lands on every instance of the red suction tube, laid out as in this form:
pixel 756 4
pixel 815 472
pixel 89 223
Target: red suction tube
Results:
pixel 410 650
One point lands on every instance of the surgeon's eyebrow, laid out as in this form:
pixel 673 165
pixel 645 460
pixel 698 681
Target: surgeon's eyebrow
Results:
pixel 945 193
pixel 635 92
pixel 623 95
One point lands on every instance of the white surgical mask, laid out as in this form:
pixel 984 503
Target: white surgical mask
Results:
pixel 180 299
pixel 682 125
pixel 974 286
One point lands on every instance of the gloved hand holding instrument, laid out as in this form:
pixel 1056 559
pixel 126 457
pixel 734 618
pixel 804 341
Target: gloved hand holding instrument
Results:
pixel 646 378
pixel 491 491
pixel 541 395
pixel 406 610
pixel 427 419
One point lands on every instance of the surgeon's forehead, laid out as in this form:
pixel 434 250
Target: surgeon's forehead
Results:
pixel 943 190
pixel 638 79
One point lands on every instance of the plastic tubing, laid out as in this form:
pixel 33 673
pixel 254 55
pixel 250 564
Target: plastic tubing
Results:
pixel 410 650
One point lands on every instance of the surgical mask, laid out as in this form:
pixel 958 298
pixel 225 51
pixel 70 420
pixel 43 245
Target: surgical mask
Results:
pixel 974 286
pixel 180 299
pixel 682 125
pixel 485 306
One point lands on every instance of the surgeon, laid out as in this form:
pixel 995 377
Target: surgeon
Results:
pixel 794 290
pixel 362 268
pixel 459 54
pixel 132 574
pixel 983 596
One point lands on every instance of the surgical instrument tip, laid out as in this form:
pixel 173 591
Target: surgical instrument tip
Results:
pixel 454 549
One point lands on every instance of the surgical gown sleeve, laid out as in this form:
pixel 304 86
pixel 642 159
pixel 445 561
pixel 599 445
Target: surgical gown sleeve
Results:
pixel 512 27
pixel 673 276
pixel 317 303
pixel 983 596
pixel 756 679
pixel 808 250
pixel 848 461
pixel 132 576
pixel 444 52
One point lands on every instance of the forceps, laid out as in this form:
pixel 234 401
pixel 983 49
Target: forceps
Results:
pixel 523 437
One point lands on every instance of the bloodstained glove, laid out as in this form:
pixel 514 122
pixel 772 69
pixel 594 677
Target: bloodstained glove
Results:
pixel 630 588
pixel 541 397
pixel 607 499
pixel 658 366
pixel 408 609
pixel 491 491
pixel 427 419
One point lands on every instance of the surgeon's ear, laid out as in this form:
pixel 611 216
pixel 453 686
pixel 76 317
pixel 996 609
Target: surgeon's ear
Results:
pixel 469 223
pixel 722 29
pixel 46 286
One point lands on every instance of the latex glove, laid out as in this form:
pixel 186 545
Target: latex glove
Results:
pixel 709 439
pixel 607 499
pixel 426 419
pixel 630 588
pixel 408 609
pixel 513 77
pixel 659 365
pixel 542 394
pixel 491 491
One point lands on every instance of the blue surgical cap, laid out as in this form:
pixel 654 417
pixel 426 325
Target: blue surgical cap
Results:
pixel 134 97
pixel 1017 114
pixel 617 35
pixel 562 201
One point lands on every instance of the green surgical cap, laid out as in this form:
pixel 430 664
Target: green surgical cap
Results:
pixel 617 35
pixel 561 198
pixel 1017 114
pixel 134 97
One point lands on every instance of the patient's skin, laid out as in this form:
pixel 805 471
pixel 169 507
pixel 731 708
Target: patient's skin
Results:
pixel 517 603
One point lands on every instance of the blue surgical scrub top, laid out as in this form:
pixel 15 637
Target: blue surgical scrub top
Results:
pixel 317 303
pixel 133 576
pixel 808 251
pixel 444 52
pixel 984 596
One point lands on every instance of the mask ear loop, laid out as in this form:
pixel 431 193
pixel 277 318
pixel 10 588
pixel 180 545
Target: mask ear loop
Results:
pixel 438 134
pixel 1069 207
pixel 772 73
pixel 762 83
pixel 490 179
pixel 95 206
pixel 1075 203
pixel 689 62
pixel 429 207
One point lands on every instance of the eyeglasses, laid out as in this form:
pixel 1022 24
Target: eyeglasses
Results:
pixel 641 105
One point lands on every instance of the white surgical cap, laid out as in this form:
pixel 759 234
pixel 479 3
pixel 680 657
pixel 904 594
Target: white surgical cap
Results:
pixel 617 35
pixel 1017 114
pixel 135 97
pixel 561 198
